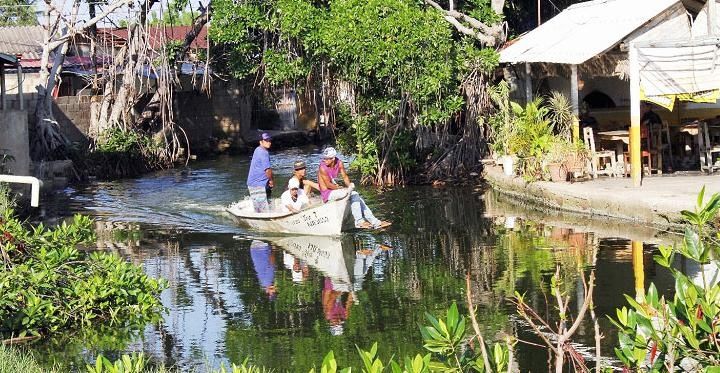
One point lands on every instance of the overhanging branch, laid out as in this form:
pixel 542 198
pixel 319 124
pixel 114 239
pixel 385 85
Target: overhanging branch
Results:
pixel 488 35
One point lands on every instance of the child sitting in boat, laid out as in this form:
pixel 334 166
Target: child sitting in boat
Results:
pixel 294 198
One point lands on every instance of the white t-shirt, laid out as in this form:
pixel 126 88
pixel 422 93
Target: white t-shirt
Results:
pixel 286 200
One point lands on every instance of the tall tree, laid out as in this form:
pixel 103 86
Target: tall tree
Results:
pixel 17 13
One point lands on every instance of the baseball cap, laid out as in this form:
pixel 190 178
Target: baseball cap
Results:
pixel 329 152
pixel 293 183
pixel 298 165
pixel 265 136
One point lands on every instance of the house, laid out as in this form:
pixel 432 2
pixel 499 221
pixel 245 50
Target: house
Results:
pixel 590 50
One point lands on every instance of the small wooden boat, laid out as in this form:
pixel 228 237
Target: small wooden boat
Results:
pixel 318 219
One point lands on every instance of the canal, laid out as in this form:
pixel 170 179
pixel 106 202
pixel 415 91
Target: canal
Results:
pixel 284 303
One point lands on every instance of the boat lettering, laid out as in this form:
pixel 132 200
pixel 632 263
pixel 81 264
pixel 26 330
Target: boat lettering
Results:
pixel 314 219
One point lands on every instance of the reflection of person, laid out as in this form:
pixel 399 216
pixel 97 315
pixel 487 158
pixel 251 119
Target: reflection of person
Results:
pixel 264 264
pixel 335 308
pixel 299 170
pixel 330 168
pixel 294 199
pixel 260 177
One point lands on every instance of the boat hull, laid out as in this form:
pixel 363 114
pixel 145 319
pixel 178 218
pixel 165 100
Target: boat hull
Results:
pixel 318 220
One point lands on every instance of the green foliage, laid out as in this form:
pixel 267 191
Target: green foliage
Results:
pixel 7 198
pixel 118 140
pixel 134 363
pixel 177 13
pixel 17 13
pixel 12 360
pixel 402 57
pixel 48 284
pixel 656 333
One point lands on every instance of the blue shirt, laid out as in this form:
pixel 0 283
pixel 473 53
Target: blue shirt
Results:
pixel 259 163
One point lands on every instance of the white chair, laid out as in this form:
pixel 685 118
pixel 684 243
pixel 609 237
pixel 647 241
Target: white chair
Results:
pixel 707 149
pixel 596 156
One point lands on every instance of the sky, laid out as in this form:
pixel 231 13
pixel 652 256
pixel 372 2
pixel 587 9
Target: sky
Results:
pixel 114 19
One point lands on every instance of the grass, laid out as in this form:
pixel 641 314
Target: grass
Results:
pixel 12 360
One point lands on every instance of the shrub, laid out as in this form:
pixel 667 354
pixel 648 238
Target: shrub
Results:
pixel 659 334
pixel 47 283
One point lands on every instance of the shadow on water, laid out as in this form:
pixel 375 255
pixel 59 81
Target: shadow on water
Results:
pixel 285 302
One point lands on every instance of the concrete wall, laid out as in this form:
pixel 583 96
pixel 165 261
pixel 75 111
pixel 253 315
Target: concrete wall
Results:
pixel 217 122
pixel 226 119
pixel 14 140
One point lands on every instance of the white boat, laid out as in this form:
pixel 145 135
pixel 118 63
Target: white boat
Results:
pixel 318 219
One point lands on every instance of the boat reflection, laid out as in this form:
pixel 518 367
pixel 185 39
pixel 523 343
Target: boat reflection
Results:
pixel 343 262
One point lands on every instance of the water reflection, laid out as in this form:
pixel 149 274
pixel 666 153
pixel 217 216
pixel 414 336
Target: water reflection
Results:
pixel 284 302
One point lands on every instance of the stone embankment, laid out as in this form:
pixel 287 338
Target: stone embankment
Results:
pixel 657 202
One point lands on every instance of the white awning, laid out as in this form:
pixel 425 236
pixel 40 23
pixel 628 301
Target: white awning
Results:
pixel 584 30
pixel 681 62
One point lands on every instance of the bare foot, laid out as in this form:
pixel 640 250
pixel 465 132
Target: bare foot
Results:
pixel 383 224
pixel 364 225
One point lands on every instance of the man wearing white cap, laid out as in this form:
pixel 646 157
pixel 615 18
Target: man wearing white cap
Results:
pixel 330 168
pixel 293 199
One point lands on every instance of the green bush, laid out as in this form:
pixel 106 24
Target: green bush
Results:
pixel 47 283
pixel 658 334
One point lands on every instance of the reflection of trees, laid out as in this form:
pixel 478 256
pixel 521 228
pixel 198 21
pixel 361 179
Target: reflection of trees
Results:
pixel 438 236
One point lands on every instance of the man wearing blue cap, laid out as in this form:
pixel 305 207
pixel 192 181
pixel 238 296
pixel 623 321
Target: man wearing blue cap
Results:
pixel 260 177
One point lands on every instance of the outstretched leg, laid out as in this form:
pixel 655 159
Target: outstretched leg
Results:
pixel 361 212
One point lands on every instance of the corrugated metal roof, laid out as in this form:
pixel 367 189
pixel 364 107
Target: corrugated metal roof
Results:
pixel 159 35
pixel 583 31
pixel 6 59
pixel 25 40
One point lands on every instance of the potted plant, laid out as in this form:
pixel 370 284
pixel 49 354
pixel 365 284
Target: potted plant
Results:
pixel 557 158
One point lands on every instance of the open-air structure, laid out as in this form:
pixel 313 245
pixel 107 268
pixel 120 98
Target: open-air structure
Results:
pixel 662 47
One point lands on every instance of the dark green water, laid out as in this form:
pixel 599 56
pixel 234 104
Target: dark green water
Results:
pixel 235 294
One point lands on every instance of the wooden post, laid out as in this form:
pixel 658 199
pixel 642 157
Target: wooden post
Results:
pixel 21 99
pixel 574 101
pixel 712 18
pixel 528 83
pixel 635 162
pixel 638 270
pixel 3 103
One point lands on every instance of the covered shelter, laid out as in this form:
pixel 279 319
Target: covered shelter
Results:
pixel 7 60
pixel 621 38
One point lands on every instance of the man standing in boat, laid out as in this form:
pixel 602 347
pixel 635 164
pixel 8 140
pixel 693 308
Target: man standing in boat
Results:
pixel 330 168
pixel 260 177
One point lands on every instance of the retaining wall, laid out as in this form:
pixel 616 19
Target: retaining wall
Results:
pixel 14 140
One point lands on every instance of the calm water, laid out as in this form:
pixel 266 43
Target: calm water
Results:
pixel 284 303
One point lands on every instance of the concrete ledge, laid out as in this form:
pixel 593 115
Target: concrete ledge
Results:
pixel 657 203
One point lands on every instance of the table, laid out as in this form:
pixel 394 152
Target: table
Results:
pixel 621 137
pixel 618 135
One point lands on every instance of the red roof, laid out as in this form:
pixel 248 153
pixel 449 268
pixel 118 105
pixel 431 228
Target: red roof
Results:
pixel 159 35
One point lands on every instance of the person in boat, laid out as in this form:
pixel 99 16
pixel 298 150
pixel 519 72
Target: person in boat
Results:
pixel 299 171
pixel 294 198
pixel 260 177
pixel 330 168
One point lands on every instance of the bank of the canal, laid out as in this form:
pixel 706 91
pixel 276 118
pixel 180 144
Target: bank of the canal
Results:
pixel 657 203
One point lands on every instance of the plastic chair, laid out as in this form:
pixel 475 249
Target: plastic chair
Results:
pixel 646 152
pixel 596 156
pixel 707 149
